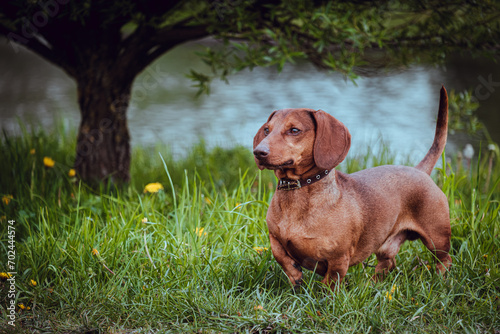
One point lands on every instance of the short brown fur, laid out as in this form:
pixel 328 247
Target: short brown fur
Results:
pixel 342 219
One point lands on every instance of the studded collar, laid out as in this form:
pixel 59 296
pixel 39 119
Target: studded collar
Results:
pixel 288 184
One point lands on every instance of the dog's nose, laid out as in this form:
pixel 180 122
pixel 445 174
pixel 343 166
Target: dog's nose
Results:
pixel 261 152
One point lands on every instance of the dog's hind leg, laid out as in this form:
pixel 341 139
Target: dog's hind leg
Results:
pixel 386 254
pixel 439 245
pixel 435 233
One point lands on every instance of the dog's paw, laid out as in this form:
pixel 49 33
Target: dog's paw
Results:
pixel 298 283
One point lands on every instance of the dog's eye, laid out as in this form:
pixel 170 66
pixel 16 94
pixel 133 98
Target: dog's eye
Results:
pixel 294 131
pixel 266 131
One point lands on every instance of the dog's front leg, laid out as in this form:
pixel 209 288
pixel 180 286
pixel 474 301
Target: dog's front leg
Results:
pixel 290 266
pixel 336 271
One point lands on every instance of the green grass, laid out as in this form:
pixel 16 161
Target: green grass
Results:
pixel 193 266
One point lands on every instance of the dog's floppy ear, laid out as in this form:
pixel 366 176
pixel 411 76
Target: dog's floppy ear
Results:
pixel 332 142
pixel 260 134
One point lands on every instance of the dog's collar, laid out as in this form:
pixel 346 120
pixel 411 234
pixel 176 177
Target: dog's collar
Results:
pixel 288 184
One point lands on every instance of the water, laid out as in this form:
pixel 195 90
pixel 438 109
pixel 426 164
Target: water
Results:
pixel 399 107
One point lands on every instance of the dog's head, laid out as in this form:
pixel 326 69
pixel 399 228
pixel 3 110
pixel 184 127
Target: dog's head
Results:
pixel 299 140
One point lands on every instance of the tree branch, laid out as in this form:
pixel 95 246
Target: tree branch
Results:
pixel 167 39
pixel 147 44
pixel 34 44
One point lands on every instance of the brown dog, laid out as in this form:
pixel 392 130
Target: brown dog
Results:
pixel 324 220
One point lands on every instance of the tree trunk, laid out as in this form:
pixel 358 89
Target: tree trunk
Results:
pixel 103 142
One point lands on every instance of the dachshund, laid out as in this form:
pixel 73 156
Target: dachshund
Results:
pixel 325 220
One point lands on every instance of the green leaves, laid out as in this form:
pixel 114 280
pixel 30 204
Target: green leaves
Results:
pixel 340 35
pixel 201 81
pixel 462 107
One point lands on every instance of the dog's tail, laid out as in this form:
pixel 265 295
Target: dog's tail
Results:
pixel 429 161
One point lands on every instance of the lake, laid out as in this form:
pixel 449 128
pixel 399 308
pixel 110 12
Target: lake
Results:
pixel 398 107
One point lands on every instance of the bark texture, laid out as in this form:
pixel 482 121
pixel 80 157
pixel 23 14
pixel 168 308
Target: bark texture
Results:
pixel 103 142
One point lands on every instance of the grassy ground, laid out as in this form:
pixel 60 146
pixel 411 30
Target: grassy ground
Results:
pixel 194 258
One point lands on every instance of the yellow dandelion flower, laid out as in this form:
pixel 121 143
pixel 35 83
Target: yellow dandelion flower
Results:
pixel 393 288
pixel 485 256
pixel 48 162
pixel 5 275
pixel 32 151
pixel 72 172
pixel 388 296
pixel 21 306
pixel 28 308
pixel 260 250
pixel 153 187
pixel 95 252
pixel 33 283
pixel 6 199
pixel 199 231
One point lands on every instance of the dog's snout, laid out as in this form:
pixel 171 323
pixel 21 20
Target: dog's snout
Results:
pixel 261 152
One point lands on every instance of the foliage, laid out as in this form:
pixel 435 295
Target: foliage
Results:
pixel 462 113
pixel 193 257
pixel 332 34
pixel 350 37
